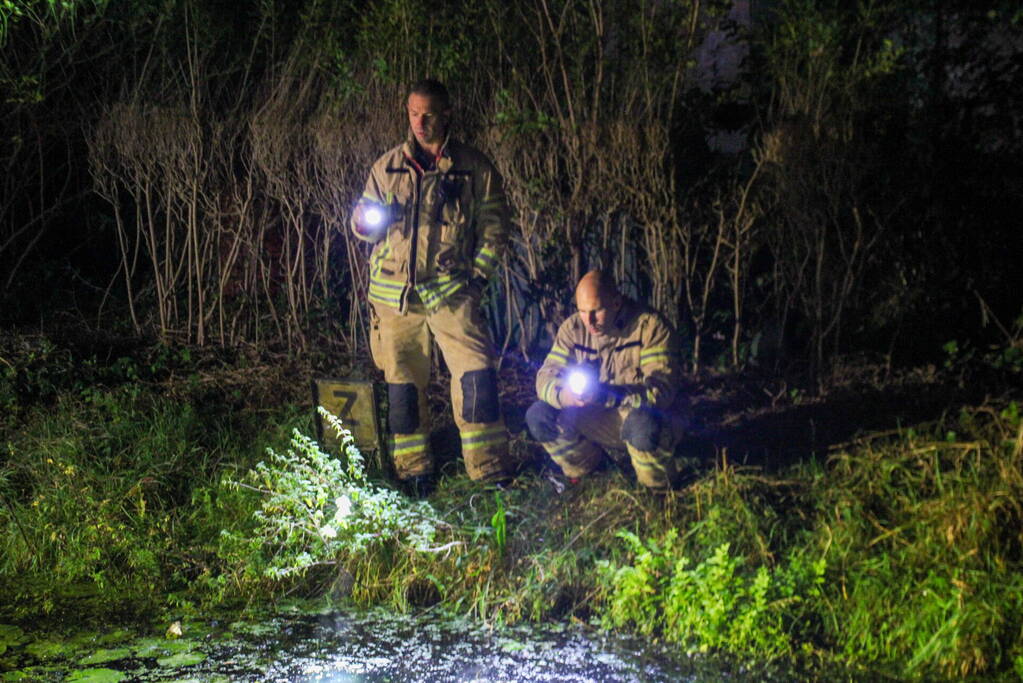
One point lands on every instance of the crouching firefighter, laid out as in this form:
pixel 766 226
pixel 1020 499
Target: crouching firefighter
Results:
pixel 435 211
pixel 611 381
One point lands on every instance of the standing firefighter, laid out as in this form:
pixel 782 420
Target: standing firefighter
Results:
pixel 435 211
pixel 611 380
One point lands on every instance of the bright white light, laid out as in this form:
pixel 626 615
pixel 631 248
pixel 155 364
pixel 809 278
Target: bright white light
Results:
pixel 578 381
pixel 373 216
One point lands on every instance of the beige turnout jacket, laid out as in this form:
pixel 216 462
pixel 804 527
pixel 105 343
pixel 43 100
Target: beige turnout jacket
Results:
pixel 452 226
pixel 638 359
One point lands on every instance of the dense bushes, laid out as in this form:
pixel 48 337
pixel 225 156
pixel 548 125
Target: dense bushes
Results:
pixel 225 148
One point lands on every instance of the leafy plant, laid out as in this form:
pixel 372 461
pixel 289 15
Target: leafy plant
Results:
pixel 499 524
pixel 924 546
pixel 713 606
pixel 316 509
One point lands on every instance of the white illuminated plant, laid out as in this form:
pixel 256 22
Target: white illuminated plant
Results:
pixel 317 508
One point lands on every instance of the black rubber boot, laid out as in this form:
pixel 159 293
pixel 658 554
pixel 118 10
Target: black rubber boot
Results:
pixel 419 486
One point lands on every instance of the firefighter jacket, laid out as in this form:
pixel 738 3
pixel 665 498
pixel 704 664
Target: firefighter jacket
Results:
pixel 637 362
pixel 448 224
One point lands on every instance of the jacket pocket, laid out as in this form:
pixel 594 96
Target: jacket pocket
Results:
pixel 456 241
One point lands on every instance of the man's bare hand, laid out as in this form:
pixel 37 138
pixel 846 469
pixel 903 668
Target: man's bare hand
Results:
pixel 570 399
pixel 588 397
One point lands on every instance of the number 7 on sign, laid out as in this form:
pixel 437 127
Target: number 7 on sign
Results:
pixel 347 402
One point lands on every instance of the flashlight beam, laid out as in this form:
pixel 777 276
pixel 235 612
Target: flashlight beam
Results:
pixel 578 381
pixel 373 216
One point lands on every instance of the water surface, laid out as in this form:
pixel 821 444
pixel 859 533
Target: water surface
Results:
pixel 338 646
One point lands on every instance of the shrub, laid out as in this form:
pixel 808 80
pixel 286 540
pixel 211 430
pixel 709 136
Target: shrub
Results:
pixel 316 510
pixel 714 605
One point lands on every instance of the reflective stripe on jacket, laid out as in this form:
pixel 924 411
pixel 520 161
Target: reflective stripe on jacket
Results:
pixel 453 228
pixel 639 358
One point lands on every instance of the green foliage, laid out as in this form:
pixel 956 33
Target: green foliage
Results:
pixel 31 370
pixel 516 120
pixel 36 370
pixel 316 509
pixel 11 636
pixel 714 606
pixel 45 21
pixel 1005 356
pixel 342 78
pixel 449 44
pixel 76 520
pixel 499 523
pixel 924 546
pixel 821 39
pixel 1009 354
pixel 638 590
pixel 953 354
pixel 113 489
pixel 898 552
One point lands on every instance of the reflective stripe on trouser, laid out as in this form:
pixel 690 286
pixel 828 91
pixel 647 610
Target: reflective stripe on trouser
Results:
pixel 401 349
pixel 582 432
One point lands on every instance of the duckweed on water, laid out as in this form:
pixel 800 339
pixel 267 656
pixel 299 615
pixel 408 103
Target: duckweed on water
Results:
pixel 104 656
pixel 49 649
pixel 96 676
pixel 181 659
pixel 303 646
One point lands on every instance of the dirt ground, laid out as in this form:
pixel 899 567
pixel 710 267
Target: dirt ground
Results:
pixel 756 418
pixel 761 419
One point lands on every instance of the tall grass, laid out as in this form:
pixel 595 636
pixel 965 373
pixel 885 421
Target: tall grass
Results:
pixel 925 540
pixel 899 552
pixel 116 492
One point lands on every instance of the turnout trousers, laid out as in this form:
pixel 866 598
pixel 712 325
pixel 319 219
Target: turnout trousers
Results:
pixel 576 439
pixel 400 345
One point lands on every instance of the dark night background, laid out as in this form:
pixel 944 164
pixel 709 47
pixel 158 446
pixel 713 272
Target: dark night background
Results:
pixel 823 196
pixel 866 161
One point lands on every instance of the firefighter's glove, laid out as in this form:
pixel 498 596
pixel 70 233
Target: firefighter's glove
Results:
pixel 609 396
pixel 476 286
pixel 603 395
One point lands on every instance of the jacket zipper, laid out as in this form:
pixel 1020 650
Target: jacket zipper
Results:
pixel 414 248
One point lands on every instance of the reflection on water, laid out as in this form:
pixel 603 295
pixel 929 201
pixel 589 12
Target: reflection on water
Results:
pixel 347 647
pixel 381 647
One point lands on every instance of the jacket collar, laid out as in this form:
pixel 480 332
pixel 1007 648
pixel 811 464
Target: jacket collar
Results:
pixel 622 324
pixel 445 162
pixel 623 319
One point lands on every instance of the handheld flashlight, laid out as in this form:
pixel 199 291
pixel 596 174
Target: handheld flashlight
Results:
pixel 579 380
pixel 373 216
pixel 376 216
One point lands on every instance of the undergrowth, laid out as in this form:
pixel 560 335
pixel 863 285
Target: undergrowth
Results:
pixel 925 538
pixel 899 552
pixel 114 495
pixel 712 605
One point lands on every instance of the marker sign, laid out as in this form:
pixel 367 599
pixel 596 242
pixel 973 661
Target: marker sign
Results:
pixel 354 403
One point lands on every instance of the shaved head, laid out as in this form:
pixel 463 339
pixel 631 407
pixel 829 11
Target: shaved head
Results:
pixel 597 283
pixel 597 299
